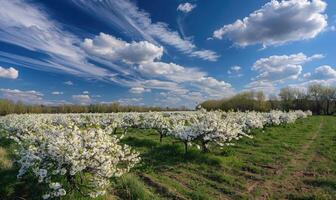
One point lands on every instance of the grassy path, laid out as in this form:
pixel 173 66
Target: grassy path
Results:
pixel 289 177
pixel 296 161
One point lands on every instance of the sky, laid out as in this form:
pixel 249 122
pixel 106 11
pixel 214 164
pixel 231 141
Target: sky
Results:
pixel 162 52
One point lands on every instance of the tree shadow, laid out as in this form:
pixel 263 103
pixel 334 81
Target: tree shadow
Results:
pixel 322 183
pixel 13 188
pixel 157 156
pixel 136 142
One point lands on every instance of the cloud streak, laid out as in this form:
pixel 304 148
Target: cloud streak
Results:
pixel 137 23
pixel 30 96
pixel 29 26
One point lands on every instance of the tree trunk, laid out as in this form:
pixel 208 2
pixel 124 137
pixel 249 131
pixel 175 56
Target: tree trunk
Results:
pixel 161 136
pixel 205 147
pixel 185 147
pixel 328 104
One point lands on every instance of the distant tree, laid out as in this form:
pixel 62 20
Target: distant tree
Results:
pixel 316 92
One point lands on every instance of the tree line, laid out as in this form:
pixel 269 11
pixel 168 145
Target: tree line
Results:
pixel 318 98
pixel 9 107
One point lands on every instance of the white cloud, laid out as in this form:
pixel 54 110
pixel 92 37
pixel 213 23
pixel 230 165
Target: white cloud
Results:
pixel 31 27
pixel 68 83
pixel 268 88
pixel 235 68
pixel 170 71
pixel 129 19
pixel 324 75
pixel 26 25
pixel 82 98
pixel 29 97
pixel 279 68
pixel 277 23
pixel 161 85
pixel 205 55
pixel 274 70
pixel 86 92
pixel 184 79
pixel 304 85
pixel 150 73
pixel 108 47
pixel 212 87
pixel 131 101
pixel 186 7
pixel 323 72
pixel 139 90
pixel 234 71
pixel 57 93
pixel 10 73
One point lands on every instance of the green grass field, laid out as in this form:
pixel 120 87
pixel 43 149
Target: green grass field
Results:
pixel 296 161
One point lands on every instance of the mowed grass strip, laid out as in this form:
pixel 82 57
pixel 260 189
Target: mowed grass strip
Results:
pixel 257 168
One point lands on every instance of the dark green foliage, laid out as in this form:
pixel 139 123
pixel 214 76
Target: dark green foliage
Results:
pixel 318 98
pixel 8 107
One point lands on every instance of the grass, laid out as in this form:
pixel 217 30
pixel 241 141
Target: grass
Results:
pixel 296 161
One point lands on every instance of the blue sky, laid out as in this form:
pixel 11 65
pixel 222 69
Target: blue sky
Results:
pixel 162 52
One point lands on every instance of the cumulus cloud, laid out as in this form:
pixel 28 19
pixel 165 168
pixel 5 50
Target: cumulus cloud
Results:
pixel 181 79
pixel 68 83
pixel 108 47
pixel 127 17
pixel 324 75
pixel 234 71
pixel 213 87
pixel 139 90
pixel 29 97
pixel 235 68
pixel 150 73
pixel 278 22
pixel 82 98
pixel 268 88
pixel 279 68
pixel 57 93
pixel 10 73
pixel 323 72
pixel 186 7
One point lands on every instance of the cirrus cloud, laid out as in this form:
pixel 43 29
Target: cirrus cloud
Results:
pixel 127 17
pixel 57 93
pixel 139 90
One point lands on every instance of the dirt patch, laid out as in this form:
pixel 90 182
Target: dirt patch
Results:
pixel 5 162
pixel 289 176
pixel 160 188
